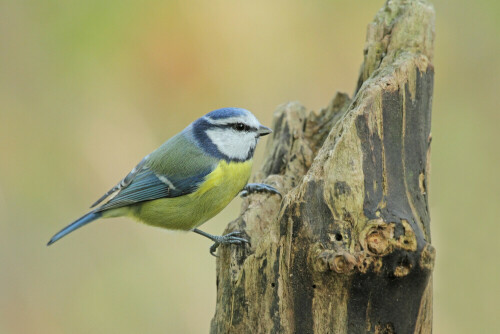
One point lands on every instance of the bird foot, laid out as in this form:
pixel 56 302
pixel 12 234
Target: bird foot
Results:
pixel 251 188
pixel 227 239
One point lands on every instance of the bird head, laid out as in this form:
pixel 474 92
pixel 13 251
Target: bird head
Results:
pixel 229 133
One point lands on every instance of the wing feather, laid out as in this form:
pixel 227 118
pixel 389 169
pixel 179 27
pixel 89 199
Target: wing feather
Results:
pixel 124 182
pixel 176 168
pixel 148 186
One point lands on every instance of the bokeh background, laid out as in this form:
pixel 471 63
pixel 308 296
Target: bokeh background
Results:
pixel 87 88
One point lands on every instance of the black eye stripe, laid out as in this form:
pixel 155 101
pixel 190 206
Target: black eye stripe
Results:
pixel 238 127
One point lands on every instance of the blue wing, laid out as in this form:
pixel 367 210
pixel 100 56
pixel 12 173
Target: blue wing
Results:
pixel 176 168
pixel 143 184
pixel 125 182
pixel 148 186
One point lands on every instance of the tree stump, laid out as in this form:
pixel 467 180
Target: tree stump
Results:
pixel 347 249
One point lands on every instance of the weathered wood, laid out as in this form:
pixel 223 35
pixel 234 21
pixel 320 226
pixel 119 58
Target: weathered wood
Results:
pixel 347 249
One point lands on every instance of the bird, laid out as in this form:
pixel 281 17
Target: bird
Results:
pixel 189 179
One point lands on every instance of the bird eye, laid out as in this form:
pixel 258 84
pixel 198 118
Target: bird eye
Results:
pixel 239 126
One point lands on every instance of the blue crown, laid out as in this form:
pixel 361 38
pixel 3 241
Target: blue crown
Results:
pixel 226 113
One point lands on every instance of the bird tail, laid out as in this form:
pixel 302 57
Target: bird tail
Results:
pixel 89 217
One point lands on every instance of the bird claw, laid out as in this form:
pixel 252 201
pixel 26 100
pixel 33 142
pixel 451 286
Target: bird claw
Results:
pixel 258 188
pixel 227 239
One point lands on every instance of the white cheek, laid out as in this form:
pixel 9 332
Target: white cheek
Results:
pixel 234 144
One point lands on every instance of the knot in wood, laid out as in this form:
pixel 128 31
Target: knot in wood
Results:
pixel 376 238
pixel 377 242
pixel 341 262
pixel 427 257
pixel 402 270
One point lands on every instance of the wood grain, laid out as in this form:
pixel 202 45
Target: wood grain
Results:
pixel 347 249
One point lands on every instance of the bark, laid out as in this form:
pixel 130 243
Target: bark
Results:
pixel 347 249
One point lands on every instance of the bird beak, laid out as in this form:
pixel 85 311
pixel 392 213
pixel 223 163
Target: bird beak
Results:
pixel 264 131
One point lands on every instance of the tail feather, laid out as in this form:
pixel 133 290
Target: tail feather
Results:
pixel 89 217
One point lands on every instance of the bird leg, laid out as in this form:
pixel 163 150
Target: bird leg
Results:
pixel 251 188
pixel 227 239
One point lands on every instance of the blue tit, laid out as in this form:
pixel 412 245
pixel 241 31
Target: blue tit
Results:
pixel 189 179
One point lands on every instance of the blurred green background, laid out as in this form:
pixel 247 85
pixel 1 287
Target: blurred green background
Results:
pixel 87 88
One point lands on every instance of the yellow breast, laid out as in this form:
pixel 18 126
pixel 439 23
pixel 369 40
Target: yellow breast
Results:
pixel 189 211
pixel 226 178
